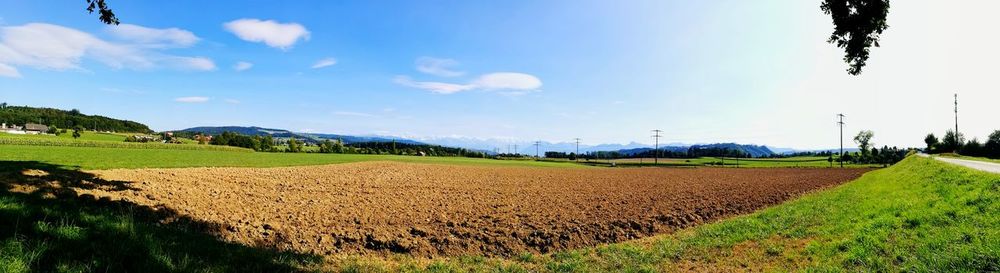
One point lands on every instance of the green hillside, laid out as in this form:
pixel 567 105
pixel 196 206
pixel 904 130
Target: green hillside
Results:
pixel 19 115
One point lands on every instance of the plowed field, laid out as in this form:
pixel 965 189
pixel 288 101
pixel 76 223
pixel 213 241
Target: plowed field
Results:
pixel 434 210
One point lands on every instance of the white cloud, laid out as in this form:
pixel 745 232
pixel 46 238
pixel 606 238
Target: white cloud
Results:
pixel 241 66
pixel 270 32
pixel 9 71
pixel 192 99
pixel 193 63
pixel 153 37
pixel 353 114
pixel 324 63
pixel 508 83
pixel 47 46
pixel 437 67
pixel 232 101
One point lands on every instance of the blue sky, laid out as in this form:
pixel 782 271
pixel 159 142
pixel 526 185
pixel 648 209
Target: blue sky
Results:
pixel 704 71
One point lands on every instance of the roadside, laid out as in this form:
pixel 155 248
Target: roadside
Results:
pixel 978 165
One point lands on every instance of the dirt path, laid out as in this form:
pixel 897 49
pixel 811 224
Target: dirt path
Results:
pixel 433 210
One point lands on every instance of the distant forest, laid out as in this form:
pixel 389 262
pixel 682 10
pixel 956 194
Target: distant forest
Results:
pixel 19 115
pixel 267 143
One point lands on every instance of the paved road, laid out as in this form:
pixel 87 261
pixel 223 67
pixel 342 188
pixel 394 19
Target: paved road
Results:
pixel 979 165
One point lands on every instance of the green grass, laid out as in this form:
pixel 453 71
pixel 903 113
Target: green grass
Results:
pixel 101 140
pixel 86 135
pixel 791 162
pixel 93 158
pixel 920 215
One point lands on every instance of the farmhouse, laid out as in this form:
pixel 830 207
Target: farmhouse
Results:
pixel 34 128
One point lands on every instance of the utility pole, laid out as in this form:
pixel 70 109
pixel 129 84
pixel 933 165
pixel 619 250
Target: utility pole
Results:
pixel 656 146
pixel 841 123
pixel 537 143
pixel 577 158
pixel 956 121
pixel 515 150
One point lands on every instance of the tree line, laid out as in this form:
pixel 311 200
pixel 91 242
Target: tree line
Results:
pixel 691 152
pixel 956 143
pixel 267 143
pixel 20 115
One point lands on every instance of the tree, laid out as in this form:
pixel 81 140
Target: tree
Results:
pixel 53 130
pixel 76 131
pixel 863 139
pixel 931 141
pixel 992 147
pixel 971 148
pixel 294 146
pixel 857 27
pixel 106 15
pixel 952 142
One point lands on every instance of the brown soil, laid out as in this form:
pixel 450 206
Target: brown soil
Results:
pixel 432 210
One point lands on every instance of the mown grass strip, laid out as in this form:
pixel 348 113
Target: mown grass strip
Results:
pixel 97 158
pixel 69 142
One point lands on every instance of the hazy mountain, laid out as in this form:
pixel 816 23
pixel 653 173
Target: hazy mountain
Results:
pixel 792 151
pixel 282 133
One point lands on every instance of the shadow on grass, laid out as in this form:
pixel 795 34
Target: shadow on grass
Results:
pixel 45 226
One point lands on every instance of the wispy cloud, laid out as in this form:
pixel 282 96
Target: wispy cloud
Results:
pixel 272 33
pixel 232 101
pixel 9 71
pixel 192 99
pixel 353 114
pixel 154 37
pixel 438 67
pixel 54 47
pixel 324 63
pixel 434 87
pixel 241 66
pixel 509 83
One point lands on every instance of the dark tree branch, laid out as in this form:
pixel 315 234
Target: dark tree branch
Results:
pixel 107 16
pixel 857 26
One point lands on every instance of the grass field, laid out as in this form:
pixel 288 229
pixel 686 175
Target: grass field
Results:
pixel 91 158
pixel 103 140
pixel 919 215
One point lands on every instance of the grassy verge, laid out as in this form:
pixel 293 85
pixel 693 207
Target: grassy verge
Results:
pixel 790 162
pixel 920 215
pixel 94 158
pixel 98 141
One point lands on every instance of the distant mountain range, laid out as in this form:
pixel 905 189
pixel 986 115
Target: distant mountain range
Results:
pixel 501 145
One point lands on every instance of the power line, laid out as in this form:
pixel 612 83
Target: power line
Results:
pixel 656 146
pixel 841 123
pixel 577 157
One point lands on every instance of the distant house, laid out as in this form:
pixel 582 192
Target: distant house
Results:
pixel 34 128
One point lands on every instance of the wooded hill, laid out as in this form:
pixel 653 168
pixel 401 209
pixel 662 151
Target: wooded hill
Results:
pixel 19 115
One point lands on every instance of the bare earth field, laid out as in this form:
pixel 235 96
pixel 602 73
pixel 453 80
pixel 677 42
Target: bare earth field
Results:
pixel 443 210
